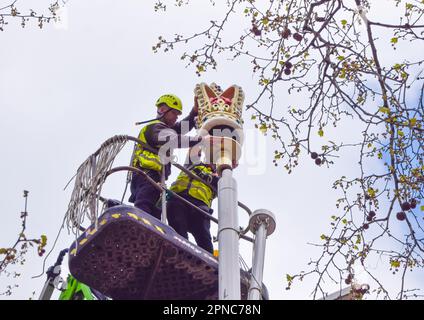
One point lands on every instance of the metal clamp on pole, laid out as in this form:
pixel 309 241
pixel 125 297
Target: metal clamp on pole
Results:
pixel 262 224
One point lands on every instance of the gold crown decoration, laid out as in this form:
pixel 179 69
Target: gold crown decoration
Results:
pixel 222 106
pixel 221 110
pixel 217 89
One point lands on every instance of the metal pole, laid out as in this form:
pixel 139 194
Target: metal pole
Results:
pixel 228 238
pixel 262 224
pixel 47 291
pixel 49 286
pixel 255 290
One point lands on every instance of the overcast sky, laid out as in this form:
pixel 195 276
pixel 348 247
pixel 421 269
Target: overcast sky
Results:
pixel 66 89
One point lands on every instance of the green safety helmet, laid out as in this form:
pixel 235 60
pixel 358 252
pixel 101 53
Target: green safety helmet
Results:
pixel 172 101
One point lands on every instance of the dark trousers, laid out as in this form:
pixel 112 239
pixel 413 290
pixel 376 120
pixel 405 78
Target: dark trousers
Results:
pixel 144 195
pixel 184 219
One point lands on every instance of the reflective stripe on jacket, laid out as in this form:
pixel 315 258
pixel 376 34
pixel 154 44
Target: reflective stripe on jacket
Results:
pixel 144 158
pixel 196 189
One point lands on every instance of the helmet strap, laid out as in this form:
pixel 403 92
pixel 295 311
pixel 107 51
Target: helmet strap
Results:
pixel 164 113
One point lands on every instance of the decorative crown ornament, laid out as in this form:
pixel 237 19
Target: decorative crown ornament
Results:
pixel 217 107
pixel 220 115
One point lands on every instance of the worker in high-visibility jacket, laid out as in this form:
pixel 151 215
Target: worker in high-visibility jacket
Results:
pixel 161 136
pixel 184 218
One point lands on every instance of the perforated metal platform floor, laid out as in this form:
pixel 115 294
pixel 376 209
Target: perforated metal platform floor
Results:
pixel 132 255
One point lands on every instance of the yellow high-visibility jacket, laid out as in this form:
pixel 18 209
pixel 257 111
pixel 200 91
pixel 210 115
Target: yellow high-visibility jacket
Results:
pixel 196 189
pixel 144 158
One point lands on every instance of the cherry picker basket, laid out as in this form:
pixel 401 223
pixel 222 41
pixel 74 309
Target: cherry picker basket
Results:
pixel 132 255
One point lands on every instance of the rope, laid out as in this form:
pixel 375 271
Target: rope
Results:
pixel 243 264
pixel 51 250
